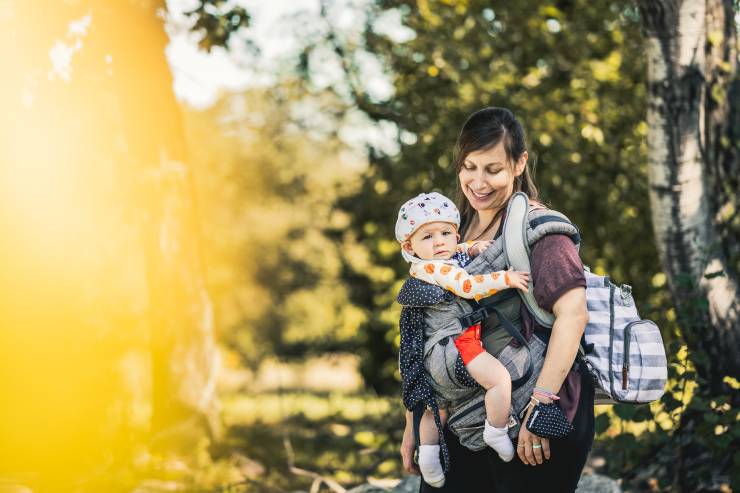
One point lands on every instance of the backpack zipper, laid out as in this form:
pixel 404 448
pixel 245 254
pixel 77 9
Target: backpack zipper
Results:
pixel 626 360
pixel 611 337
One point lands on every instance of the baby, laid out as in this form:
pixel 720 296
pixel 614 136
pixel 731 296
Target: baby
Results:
pixel 427 230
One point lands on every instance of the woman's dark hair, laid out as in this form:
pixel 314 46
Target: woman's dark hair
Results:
pixel 484 130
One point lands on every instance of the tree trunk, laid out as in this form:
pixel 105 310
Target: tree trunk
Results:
pixel 692 53
pixel 183 352
pixel 102 133
pixel 693 167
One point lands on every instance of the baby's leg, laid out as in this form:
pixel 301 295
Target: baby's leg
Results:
pixel 493 376
pixel 428 429
pixel 429 463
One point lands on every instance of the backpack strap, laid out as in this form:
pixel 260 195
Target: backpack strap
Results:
pixel 516 252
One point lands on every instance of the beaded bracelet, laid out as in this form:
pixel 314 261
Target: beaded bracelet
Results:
pixel 545 392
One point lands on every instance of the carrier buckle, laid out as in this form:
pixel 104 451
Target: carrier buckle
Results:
pixel 474 317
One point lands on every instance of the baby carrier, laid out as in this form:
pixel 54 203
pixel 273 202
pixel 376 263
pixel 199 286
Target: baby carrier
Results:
pixel 447 377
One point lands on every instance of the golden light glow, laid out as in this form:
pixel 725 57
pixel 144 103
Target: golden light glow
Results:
pixel 89 116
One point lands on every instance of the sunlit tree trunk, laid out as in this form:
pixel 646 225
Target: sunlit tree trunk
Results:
pixel 184 356
pixel 112 118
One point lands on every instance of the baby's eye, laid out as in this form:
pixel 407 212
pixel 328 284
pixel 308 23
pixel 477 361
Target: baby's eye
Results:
pixel 427 237
pixel 447 232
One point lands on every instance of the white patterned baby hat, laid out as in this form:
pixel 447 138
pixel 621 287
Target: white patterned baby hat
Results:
pixel 423 209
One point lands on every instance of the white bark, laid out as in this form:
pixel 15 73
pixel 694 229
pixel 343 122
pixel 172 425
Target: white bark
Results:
pixel 681 188
pixel 678 191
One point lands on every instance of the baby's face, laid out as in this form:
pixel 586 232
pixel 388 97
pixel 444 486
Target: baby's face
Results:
pixel 433 241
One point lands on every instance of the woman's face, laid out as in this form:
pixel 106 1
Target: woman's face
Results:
pixel 487 177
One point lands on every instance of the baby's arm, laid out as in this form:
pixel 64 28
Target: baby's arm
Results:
pixel 458 282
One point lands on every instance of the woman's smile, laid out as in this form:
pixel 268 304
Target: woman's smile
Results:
pixel 480 195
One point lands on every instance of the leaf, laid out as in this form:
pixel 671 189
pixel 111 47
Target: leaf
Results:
pixel 625 411
pixel 601 423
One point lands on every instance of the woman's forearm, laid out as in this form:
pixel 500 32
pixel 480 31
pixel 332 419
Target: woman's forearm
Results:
pixel 571 318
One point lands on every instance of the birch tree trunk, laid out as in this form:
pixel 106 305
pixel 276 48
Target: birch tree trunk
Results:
pixel 693 166
pixel 692 116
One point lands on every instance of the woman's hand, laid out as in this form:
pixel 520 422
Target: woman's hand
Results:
pixel 407 448
pixel 530 448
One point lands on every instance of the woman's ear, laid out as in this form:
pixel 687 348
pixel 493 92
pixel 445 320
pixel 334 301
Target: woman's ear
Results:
pixel 521 164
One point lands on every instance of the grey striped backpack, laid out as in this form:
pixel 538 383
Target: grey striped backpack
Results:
pixel 624 353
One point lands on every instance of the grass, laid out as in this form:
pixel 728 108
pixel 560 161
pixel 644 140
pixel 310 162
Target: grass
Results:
pixel 347 438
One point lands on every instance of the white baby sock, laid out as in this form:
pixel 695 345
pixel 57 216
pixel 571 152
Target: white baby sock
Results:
pixel 498 439
pixel 430 466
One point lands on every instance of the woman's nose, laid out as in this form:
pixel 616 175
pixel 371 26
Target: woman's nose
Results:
pixel 477 183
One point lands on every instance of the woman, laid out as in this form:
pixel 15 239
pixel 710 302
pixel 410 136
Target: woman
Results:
pixel 491 162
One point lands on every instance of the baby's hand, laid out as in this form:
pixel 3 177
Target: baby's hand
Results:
pixel 518 279
pixel 479 247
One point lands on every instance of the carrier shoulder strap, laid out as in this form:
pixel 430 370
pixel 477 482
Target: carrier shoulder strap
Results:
pixel 516 252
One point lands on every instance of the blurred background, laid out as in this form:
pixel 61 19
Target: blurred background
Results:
pixel 198 283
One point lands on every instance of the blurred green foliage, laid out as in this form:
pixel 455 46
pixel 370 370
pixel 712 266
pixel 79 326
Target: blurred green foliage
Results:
pixel 266 186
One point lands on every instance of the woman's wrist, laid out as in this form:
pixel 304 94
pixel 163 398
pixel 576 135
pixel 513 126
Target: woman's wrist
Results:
pixel 544 395
pixel 544 400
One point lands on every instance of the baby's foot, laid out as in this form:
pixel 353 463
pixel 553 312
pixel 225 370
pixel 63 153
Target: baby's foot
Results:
pixel 430 466
pixel 498 439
